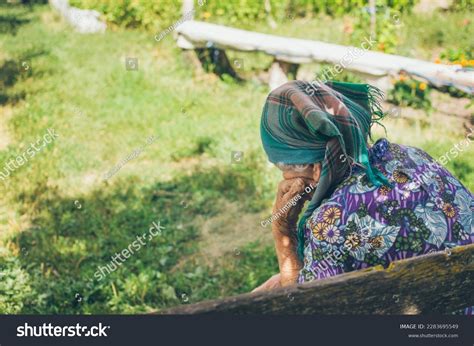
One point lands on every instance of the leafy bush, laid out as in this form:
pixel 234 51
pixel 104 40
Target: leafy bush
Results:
pixel 410 92
pixel 152 15
pixel 386 29
pixel 462 5
pixel 14 286
pixel 459 56
pixel 159 15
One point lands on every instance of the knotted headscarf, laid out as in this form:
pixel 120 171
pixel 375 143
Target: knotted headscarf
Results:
pixel 327 123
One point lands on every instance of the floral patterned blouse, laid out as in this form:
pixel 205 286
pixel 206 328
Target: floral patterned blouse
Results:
pixel 360 225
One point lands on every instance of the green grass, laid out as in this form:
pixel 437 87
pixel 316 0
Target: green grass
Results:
pixel 78 85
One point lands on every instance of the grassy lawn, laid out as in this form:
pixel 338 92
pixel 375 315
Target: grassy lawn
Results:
pixel 60 220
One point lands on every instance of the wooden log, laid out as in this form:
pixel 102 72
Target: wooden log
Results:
pixel 195 34
pixel 441 282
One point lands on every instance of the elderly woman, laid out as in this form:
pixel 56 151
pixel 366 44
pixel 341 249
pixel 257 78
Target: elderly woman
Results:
pixel 367 205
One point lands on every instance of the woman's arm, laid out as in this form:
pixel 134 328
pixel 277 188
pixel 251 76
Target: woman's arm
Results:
pixel 289 202
pixel 290 194
pixel 288 262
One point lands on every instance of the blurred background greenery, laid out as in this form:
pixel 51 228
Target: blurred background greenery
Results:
pixel 59 220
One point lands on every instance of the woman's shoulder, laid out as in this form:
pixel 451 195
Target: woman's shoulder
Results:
pixel 384 151
pixel 407 168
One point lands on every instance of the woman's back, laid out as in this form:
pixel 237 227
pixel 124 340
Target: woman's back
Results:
pixel 361 225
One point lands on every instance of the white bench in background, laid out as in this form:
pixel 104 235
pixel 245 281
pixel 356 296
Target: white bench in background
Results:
pixel 375 66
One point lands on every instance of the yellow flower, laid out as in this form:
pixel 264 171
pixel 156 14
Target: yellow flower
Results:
pixel 206 15
pixel 422 86
pixel 437 61
pixel 331 215
pixel 384 190
pixel 318 230
pixel 376 242
pixel 400 177
pixel 348 29
pixel 449 210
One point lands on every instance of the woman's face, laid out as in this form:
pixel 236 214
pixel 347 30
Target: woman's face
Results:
pixel 312 171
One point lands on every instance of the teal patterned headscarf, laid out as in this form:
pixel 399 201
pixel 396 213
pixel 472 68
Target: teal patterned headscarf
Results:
pixel 306 123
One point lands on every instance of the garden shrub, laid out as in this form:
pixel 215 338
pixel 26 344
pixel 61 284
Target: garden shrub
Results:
pixel 408 92
pixel 162 14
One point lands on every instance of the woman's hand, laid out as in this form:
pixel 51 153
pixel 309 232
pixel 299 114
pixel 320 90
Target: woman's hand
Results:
pixel 270 284
pixel 292 194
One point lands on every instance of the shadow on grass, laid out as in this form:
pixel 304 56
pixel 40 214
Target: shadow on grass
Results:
pixel 71 237
pixel 9 23
pixel 11 71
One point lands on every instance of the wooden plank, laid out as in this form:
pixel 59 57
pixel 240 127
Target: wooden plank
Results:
pixel 440 282
pixel 195 34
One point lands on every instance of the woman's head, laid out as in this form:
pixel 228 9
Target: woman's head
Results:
pixel 333 122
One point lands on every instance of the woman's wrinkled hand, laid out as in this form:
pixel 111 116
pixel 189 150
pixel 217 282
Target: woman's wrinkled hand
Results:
pixel 291 195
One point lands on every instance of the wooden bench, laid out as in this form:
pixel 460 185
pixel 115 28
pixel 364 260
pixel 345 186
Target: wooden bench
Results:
pixel 437 283
pixel 288 53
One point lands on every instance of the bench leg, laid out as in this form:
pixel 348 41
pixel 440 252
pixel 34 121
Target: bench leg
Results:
pixel 279 71
pixel 215 60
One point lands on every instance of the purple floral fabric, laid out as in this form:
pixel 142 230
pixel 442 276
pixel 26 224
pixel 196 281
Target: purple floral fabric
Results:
pixel 361 225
